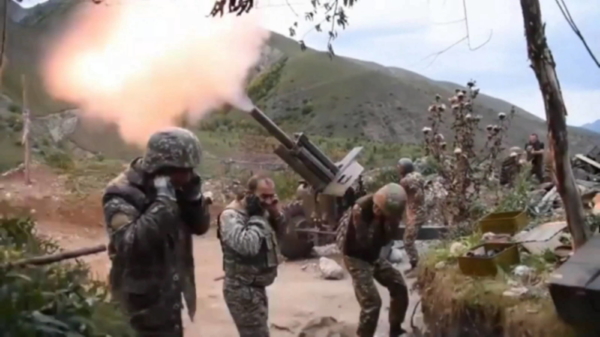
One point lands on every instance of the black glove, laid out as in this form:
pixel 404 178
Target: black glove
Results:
pixel 192 191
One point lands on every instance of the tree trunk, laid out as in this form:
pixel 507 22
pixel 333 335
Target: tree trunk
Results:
pixel 543 65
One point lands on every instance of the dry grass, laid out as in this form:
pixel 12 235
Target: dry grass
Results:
pixel 452 300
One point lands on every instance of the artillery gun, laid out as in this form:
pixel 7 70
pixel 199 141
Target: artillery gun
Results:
pixel 326 190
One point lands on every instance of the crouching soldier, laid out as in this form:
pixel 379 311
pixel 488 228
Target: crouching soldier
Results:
pixel 151 211
pixel 247 232
pixel 371 224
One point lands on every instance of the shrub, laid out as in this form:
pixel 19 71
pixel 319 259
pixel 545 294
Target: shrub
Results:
pixel 286 183
pixel 307 109
pixel 53 300
pixel 60 160
pixel 518 198
pixel 14 108
pixel 465 169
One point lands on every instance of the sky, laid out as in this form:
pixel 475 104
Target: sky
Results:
pixel 403 33
pixel 406 33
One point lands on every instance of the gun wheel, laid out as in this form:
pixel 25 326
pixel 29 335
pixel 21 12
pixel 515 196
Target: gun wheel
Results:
pixel 292 244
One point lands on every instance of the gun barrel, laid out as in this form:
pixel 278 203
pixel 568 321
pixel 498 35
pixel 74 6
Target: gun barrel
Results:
pixel 272 128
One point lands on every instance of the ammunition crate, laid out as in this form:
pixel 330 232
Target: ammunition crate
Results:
pixel 504 222
pixel 488 265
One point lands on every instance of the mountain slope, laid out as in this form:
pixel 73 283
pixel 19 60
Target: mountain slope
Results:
pixel 305 91
pixel 594 126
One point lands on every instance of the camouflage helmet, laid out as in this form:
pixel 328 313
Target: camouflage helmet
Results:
pixel 515 149
pixel 391 198
pixel 407 165
pixel 172 147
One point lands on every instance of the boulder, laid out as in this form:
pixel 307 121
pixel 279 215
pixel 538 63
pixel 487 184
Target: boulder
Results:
pixel 330 270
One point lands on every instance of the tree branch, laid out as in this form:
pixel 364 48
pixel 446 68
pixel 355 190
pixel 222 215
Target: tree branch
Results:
pixel 467 37
pixel 567 15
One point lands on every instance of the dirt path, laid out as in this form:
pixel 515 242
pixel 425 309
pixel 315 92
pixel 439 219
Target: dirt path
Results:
pixel 297 295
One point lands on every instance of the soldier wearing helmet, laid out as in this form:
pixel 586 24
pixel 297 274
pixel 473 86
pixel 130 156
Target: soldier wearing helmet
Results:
pixel 511 166
pixel 414 185
pixel 151 210
pixel 370 225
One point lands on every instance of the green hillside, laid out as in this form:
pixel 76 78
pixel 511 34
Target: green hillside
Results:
pixel 340 103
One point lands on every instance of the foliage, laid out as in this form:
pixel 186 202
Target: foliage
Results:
pixel 592 221
pixel 464 168
pixel 380 177
pixel 54 300
pixel 518 197
pixel 261 86
pixel 102 170
pixel 58 159
pixel 333 14
pixel 286 183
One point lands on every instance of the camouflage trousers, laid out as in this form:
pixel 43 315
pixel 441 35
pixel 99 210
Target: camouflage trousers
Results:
pixel 363 273
pixel 248 306
pixel 150 316
pixel 414 220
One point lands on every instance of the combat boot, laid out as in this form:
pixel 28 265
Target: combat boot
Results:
pixel 397 332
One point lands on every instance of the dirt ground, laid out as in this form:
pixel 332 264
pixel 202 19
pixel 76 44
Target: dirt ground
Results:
pixel 297 295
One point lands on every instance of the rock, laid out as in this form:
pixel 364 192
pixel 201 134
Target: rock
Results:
pixel 330 270
pixel 440 265
pixel 458 248
pixel 523 272
pixel 327 250
pixel 395 255
pixel 515 292
pixel 326 327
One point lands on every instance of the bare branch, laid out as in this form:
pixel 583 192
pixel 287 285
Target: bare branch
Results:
pixel 467 37
pixel 291 8
pixel 466 18
pixel 567 15
pixel 436 54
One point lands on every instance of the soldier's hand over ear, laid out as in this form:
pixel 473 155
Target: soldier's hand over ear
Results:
pixel 192 191
pixel 164 188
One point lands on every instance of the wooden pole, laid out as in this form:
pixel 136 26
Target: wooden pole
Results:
pixel 26 131
pixel 47 259
pixel 544 67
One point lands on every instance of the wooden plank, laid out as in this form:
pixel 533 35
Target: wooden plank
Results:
pixel 587 160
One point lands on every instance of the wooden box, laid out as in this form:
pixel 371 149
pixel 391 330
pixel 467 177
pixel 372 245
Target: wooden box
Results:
pixel 504 222
pixel 487 265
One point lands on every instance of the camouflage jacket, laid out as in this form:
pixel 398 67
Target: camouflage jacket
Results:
pixel 249 246
pixel 363 240
pixel 509 170
pixel 150 242
pixel 414 185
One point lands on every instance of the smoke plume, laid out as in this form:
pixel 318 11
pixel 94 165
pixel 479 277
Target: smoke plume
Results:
pixel 146 64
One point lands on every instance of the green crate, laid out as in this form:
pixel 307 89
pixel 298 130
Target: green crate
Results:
pixel 488 265
pixel 504 222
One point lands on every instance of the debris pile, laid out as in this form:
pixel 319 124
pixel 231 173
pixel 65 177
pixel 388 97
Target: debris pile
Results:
pixel 586 169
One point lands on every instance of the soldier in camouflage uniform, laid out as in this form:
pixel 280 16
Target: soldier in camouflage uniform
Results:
pixel 151 210
pixel 364 231
pixel 511 166
pixel 247 231
pixel 414 185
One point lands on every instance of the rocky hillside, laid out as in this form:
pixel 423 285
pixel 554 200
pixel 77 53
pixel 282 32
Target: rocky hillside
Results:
pixel 594 126
pixel 346 99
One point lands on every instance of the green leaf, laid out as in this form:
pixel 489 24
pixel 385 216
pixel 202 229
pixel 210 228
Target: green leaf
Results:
pixel 48 320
